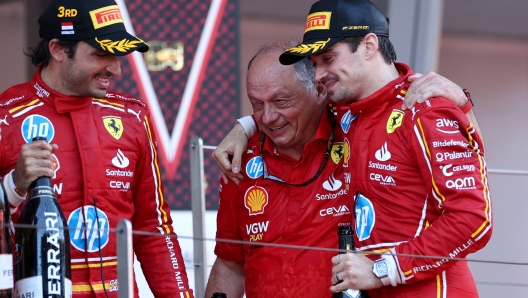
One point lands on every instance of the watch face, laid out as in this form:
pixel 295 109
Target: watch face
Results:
pixel 381 268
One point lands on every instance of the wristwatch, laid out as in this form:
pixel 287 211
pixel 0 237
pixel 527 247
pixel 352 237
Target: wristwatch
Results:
pixel 380 268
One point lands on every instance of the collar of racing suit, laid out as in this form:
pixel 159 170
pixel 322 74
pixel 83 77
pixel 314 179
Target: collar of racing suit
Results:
pixel 372 101
pixel 63 103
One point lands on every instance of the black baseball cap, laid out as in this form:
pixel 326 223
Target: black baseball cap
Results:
pixel 329 21
pixel 97 22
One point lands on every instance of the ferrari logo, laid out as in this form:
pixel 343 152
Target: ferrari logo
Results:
pixel 337 152
pixel 114 126
pixel 395 120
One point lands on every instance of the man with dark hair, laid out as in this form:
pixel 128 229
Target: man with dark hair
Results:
pixel 100 149
pixel 419 176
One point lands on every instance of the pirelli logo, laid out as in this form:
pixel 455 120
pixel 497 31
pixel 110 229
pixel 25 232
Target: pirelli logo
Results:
pixel 318 21
pixel 106 16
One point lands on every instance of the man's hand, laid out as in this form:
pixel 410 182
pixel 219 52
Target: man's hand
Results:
pixel 430 85
pixel 233 145
pixel 355 270
pixel 35 160
pixel 226 277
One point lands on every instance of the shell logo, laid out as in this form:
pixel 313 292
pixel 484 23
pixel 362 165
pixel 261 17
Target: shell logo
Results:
pixel 255 199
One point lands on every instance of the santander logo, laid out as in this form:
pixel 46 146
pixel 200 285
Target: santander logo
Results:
pixel 383 154
pixel 120 161
pixel 332 184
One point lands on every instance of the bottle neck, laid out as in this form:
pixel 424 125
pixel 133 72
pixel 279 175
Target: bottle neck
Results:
pixel 41 188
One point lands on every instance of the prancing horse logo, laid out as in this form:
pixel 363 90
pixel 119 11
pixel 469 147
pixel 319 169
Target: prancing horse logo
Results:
pixel 114 126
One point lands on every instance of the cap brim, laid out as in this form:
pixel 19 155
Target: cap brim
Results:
pixel 306 49
pixel 118 43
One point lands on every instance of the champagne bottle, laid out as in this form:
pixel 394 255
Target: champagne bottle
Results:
pixel 6 257
pixel 219 295
pixel 42 262
pixel 345 235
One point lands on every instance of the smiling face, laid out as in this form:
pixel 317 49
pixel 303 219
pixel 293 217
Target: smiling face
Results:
pixel 283 108
pixel 88 73
pixel 342 72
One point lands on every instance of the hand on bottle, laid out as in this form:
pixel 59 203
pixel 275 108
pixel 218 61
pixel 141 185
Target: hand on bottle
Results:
pixel 35 160
pixel 233 145
pixel 355 270
pixel 430 85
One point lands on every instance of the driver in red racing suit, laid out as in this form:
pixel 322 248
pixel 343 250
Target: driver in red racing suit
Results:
pixel 106 170
pixel 100 150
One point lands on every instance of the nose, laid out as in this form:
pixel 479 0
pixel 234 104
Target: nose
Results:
pixel 114 67
pixel 269 114
pixel 320 74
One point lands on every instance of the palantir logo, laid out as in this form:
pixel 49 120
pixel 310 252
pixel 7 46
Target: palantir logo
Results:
pixel 332 184
pixel 37 126
pixel 383 154
pixel 254 167
pixel 365 217
pixel 90 234
pixel 120 160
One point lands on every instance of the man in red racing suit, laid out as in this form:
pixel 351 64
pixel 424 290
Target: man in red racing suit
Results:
pixel 106 169
pixel 421 189
pixel 419 176
pixel 100 150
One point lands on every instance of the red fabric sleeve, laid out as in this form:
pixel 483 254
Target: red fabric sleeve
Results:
pixel 227 225
pixel 160 257
pixel 451 159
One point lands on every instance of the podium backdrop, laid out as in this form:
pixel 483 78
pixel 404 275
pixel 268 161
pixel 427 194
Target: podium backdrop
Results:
pixel 189 78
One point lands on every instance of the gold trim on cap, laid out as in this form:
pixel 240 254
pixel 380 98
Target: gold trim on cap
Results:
pixel 305 48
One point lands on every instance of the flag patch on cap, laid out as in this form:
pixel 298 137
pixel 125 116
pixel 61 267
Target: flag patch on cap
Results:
pixel 67 28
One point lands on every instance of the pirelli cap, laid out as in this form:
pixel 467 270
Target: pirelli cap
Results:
pixel 97 22
pixel 329 21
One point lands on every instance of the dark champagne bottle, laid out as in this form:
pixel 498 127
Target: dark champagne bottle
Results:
pixel 42 262
pixel 345 236
pixel 219 295
pixel 6 257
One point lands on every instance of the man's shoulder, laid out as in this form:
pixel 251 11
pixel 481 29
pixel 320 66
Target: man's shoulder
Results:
pixel 118 97
pixel 17 94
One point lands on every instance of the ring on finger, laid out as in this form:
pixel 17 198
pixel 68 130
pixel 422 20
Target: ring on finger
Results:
pixel 337 259
pixel 337 277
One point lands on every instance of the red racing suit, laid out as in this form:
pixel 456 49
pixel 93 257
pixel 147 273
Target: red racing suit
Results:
pixel 268 212
pixel 421 188
pixel 106 170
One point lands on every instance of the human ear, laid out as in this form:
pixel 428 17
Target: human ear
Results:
pixel 57 51
pixel 371 44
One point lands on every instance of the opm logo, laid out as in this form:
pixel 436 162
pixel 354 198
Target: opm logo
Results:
pixel 37 126
pixel 90 234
